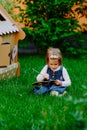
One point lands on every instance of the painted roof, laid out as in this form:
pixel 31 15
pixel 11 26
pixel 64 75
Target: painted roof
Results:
pixel 6 26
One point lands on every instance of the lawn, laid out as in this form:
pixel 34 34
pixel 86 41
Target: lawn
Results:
pixel 20 109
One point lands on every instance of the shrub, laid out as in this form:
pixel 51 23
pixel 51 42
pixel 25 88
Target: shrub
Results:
pixel 13 4
pixel 49 24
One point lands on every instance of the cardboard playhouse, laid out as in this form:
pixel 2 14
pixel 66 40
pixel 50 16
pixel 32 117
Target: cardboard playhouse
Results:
pixel 10 34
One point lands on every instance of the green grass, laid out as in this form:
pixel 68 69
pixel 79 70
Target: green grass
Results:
pixel 22 110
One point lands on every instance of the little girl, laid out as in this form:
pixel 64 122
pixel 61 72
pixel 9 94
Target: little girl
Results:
pixel 53 70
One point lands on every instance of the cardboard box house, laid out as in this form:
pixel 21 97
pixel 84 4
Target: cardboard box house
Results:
pixel 10 33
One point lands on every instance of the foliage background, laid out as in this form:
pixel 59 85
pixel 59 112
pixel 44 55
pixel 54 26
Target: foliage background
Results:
pixel 53 23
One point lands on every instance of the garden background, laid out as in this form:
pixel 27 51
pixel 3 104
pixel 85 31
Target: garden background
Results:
pixel 50 23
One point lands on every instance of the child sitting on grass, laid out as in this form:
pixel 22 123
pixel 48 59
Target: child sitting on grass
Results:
pixel 53 70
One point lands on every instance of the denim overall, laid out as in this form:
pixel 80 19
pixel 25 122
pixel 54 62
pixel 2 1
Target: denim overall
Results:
pixel 57 75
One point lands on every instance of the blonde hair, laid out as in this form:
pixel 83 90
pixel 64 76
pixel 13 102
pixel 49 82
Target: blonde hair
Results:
pixel 54 53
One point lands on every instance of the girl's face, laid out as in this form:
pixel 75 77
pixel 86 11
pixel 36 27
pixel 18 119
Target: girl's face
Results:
pixel 53 64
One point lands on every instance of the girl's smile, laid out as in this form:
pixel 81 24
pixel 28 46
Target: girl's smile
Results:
pixel 53 64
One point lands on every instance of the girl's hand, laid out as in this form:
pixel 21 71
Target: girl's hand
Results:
pixel 46 76
pixel 57 82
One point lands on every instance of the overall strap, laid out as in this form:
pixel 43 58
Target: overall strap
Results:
pixel 55 75
pixel 61 71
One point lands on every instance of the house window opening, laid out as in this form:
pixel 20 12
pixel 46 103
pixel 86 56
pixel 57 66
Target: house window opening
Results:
pixel 2 18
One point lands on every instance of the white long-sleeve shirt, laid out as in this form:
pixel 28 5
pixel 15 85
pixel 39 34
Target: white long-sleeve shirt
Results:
pixel 66 82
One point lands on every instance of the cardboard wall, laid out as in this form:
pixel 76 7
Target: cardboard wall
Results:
pixel 4 55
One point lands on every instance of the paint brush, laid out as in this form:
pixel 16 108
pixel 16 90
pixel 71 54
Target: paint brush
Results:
pixel 36 71
pixel 42 75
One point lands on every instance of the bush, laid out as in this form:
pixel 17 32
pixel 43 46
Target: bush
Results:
pixel 13 4
pixel 51 26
